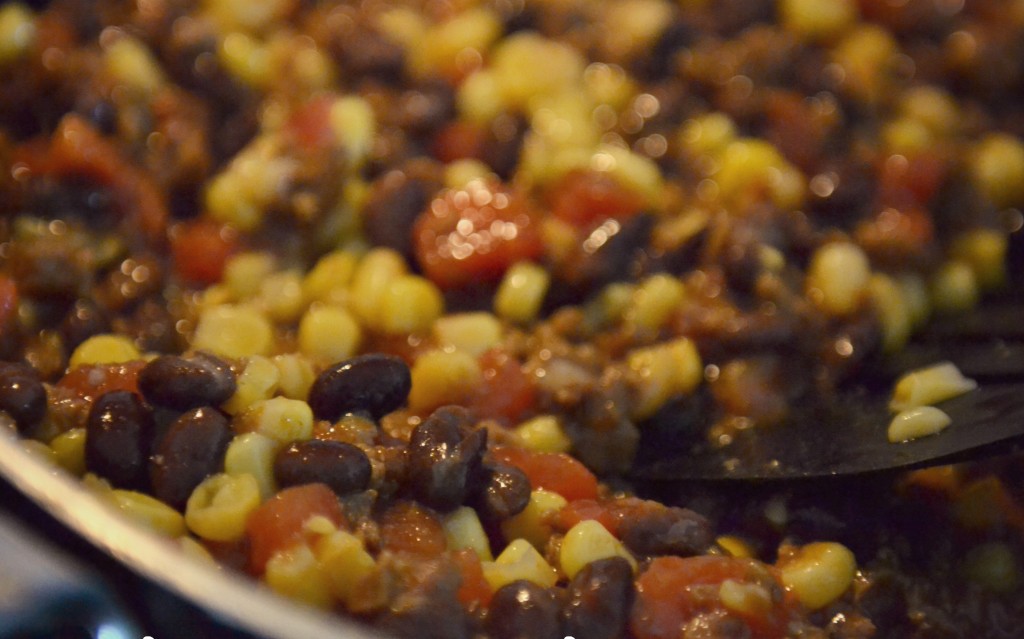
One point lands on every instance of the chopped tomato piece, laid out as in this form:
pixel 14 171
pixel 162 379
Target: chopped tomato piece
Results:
pixel 411 528
pixel 90 381
pixel 911 181
pixel 459 140
pixel 310 124
pixel 280 521
pixel 897 233
pixel 587 198
pixel 474 234
pixel 200 250
pixel 474 591
pixel 586 510
pixel 506 392
pixel 556 472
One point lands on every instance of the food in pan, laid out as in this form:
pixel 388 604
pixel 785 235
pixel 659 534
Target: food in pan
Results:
pixel 374 301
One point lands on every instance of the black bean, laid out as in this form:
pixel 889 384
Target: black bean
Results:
pixel 22 395
pixel 504 492
pixel 396 199
pixel 441 462
pixel 666 531
pixel 192 450
pixel 374 383
pixel 342 466
pixel 524 610
pixel 599 599
pixel 117 434
pixel 183 383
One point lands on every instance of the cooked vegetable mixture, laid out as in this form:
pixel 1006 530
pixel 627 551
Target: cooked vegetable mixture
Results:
pixel 374 300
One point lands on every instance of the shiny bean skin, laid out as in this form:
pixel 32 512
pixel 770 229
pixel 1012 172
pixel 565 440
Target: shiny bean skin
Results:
pixel 182 383
pixel 374 383
pixel 599 599
pixel 117 436
pixel 524 610
pixel 666 531
pixel 504 492
pixel 22 395
pixel 191 450
pixel 342 466
pixel 441 462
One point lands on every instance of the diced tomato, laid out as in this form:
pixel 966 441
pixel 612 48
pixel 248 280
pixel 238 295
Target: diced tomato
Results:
pixel 475 590
pixel 280 521
pixel 911 181
pixel 200 250
pixel 474 234
pixel 897 234
pixel 506 392
pixel 556 472
pixel 587 198
pixel 674 590
pixel 310 124
pixel 586 510
pixel 90 381
pixel 459 140
pixel 410 528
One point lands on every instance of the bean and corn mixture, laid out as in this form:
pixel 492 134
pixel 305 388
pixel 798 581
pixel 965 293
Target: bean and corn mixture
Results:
pixel 373 300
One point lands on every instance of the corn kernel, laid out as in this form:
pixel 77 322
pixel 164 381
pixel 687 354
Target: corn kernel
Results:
pixel 707 134
pixel 375 272
pixel 328 280
pixel 296 574
pixel 253 454
pixel 440 377
pixel 608 84
pixel 104 349
pixel 353 122
pixel 997 167
pixel 818 573
pixel 734 546
pixel 816 20
pixel 69 449
pixel 131 63
pixel 749 166
pixel 462 529
pixel 460 173
pixel 329 333
pixel 543 433
pixel 519 560
pixel 280 296
pixel 894 313
pixel 442 46
pixel 479 98
pixel 246 58
pixel 258 380
pixel 993 565
pixel 954 288
pixel 344 560
pixel 865 54
pixel 636 172
pixel 634 26
pixel 17 31
pixel 285 420
pixel 929 385
pixel 984 250
pixel 410 305
pixel 585 543
pixel 149 511
pixel 296 375
pixel 654 301
pixel 532 523
pixel 526 65
pixel 248 14
pixel 838 277
pixel 663 371
pixel 932 107
pixel 471 333
pixel 752 600
pixel 218 507
pixel 915 296
pixel 233 331
pixel 907 136
pixel 915 423
pixel 521 292
pixel 243 273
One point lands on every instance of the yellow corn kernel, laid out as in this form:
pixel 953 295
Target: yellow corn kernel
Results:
pixel 248 14
pixel 17 31
pixel 328 280
pixel 410 305
pixel 374 273
pixel 663 371
pixel 915 296
pixel 984 250
pixel 634 26
pixel 245 58
pixel 479 97
pixel 354 124
pixel 526 65
pixel 233 331
pixel 707 134
pixel 296 574
pixel 932 107
pixel 285 420
pixel 280 296
pixel 243 273
pixel 403 25
pixel 608 84
pixel 930 385
pixel 462 529
pixel 471 333
pixel 654 301
pixel 816 20
pixel 104 349
pixel 149 511
pixel 954 288
pixel 129 62
pixel 543 433
pixel 747 166
pixel 296 375
pixel 748 599
pixel 344 560
pixel 218 507
pixel 907 136
pixel 532 524
pixel 258 380
pixel 994 566
pixel 997 167
pixel 734 546
pixel 519 560
pixel 329 333
pixel 918 422
pixel 636 172
pixel 440 377
pixel 252 454
pixel 615 300
pixel 522 292
pixel 865 53
pixel 459 173
pixel 838 276
pixel 69 448
pixel 893 311
pixel 818 573
pixel 585 543
pixel 444 45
